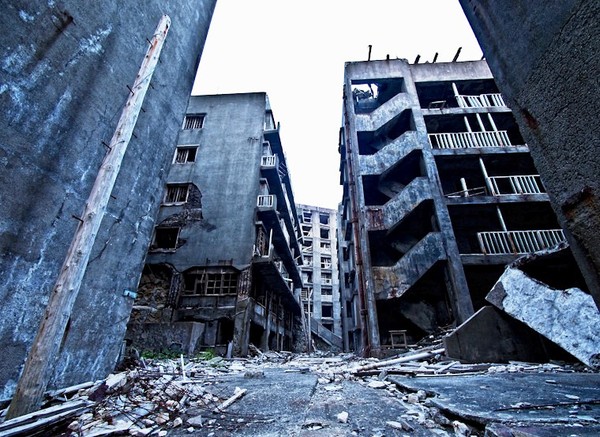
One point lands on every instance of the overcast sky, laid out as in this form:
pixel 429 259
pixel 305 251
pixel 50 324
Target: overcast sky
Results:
pixel 295 51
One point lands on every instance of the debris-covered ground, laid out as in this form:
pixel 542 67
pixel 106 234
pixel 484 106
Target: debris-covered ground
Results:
pixel 419 393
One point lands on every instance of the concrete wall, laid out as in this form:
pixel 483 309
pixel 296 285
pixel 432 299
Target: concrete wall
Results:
pixel 544 56
pixel 227 173
pixel 64 71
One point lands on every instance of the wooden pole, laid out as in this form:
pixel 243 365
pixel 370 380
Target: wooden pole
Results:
pixel 46 345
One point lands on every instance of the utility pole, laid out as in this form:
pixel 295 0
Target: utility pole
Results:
pixel 44 350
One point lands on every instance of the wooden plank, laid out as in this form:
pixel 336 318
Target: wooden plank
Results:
pixel 34 379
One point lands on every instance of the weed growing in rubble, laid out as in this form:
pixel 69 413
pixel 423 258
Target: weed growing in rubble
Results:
pixel 206 355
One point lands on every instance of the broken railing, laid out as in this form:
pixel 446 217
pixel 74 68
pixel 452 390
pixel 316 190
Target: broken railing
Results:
pixel 518 242
pixel 269 161
pixel 480 101
pixel 266 201
pixel 464 140
pixel 516 184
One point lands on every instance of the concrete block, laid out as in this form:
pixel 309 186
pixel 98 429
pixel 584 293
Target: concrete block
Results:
pixel 489 336
pixel 568 318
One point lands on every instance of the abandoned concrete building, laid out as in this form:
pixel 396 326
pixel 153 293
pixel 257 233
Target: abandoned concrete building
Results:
pixel 223 265
pixel 321 294
pixel 439 194
pixel 545 59
pixel 64 75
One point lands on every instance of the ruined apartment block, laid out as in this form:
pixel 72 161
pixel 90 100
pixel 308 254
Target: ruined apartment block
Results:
pixel 321 294
pixel 440 193
pixel 222 270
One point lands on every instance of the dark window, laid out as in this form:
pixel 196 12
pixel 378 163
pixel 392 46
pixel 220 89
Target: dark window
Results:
pixel 184 155
pixel 166 238
pixel 326 310
pixel 324 219
pixel 325 234
pixel 326 291
pixel 193 121
pixel 205 283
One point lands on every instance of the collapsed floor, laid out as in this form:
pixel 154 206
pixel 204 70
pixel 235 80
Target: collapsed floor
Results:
pixel 420 392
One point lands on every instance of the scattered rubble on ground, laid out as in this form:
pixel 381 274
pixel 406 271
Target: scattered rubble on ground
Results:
pixel 178 396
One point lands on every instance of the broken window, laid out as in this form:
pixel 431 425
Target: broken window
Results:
pixel 185 154
pixel 193 121
pixel 326 291
pixel 326 310
pixel 165 238
pixel 308 260
pixel 306 215
pixel 210 283
pixel 325 245
pixel 325 262
pixel 307 277
pixel 306 230
pixel 324 219
pixel 324 233
pixel 326 278
pixel 176 193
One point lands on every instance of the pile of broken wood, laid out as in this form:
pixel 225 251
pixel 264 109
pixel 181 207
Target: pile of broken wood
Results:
pixel 158 395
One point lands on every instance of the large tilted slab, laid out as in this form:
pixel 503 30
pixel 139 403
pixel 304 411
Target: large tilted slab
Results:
pixel 568 318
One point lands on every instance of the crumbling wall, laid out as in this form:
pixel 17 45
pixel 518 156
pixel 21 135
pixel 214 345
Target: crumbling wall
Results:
pixel 544 56
pixel 64 71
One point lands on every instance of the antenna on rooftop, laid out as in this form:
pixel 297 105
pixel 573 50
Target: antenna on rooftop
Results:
pixel 457 53
pixel 369 57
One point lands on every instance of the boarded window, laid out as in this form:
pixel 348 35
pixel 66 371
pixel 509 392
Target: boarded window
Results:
pixel 165 238
pixel 193 121
pixel 176 193
pixel 185 154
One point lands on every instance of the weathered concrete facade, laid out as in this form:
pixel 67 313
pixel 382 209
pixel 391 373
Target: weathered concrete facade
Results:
pixel 440 193
pixel 64 71
pixel 545 59
pixel 225 254
pixel 320 276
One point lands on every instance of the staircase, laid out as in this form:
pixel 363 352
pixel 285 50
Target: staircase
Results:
pixel 392 282
pixel 317 329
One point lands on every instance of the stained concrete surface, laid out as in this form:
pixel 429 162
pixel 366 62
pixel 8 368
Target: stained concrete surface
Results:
pixel 492 398
pixel 297 404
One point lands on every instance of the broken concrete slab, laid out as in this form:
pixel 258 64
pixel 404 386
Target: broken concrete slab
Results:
pixel 490 336
pixel 568 318
pixel 526 398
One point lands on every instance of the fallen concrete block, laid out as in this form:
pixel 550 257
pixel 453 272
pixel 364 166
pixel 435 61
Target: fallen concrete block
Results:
pixel 568 318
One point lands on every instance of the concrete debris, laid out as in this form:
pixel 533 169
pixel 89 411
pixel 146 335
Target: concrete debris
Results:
pixel 568 318
pixel 307 394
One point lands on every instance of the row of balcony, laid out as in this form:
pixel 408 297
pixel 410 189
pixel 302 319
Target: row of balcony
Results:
pixel 481 101
pixel 519 242
pixel 466 140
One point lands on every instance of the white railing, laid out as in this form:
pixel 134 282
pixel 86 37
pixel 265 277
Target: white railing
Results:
pixel 464 140
pixel 266 201
pixel 518 242
pixel 518 184
pixel 269 161
pixel 481 101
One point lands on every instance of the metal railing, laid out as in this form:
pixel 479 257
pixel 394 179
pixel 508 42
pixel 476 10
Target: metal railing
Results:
pixel 516 184
pixel 266 201
pixel 518 242
pixel 481 101
pixel 464 140
pixel 269 161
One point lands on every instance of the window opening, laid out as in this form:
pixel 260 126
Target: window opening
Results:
pixel 176 193
pixel 193 121
pixel 184 155
pixel 166 238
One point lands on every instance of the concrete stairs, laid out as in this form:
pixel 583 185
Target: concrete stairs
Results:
pixel 396 209
pixel 335 341
pixel 379 117
pixel 394 281
pixel 389 155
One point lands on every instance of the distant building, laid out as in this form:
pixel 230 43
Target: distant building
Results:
pixel 440 193
pixel 222 271
pixel 321 294
pixel 64 75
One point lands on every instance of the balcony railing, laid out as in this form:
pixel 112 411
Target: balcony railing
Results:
pixel 518 242
pixel 269 161
pixel 481 101
pixel 517 184
pixel 266 201
pixel 465 140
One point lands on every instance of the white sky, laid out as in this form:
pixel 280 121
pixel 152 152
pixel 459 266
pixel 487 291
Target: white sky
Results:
pixel 295 51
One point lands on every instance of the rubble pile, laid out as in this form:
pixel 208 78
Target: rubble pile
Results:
pixel 185 396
